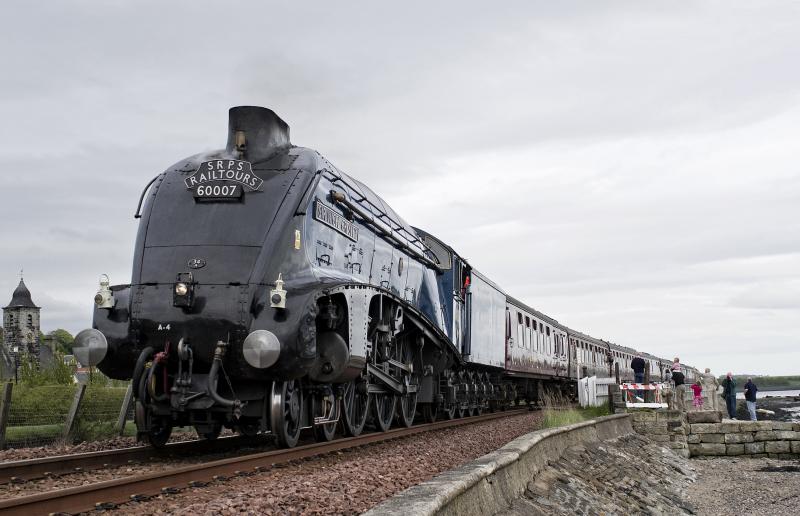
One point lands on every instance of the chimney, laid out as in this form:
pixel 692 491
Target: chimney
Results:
pixel 254 133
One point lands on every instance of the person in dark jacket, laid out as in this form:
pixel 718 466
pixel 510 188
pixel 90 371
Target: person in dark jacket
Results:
pixel 729 394
pixel 750 391
pixel 637 364
pixel 680 388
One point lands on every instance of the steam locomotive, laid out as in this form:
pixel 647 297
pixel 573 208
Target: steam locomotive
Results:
pixel 272 292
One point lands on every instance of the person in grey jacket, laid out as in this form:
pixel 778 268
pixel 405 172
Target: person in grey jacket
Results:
pixel 710 385
pixel 750 391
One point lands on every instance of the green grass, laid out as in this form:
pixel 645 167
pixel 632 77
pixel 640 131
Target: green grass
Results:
pixel 554 417
pixel 33 433
pixel 37 414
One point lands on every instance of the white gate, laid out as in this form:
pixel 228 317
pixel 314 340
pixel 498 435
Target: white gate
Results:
pixel 593 391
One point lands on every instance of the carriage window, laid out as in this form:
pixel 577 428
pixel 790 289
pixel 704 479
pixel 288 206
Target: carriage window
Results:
pixel 519 318
pixel 548 331
pixel 527 332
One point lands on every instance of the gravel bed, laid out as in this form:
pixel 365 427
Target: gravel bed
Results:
pixel 43 485
pixel 347 482
pixel 746 486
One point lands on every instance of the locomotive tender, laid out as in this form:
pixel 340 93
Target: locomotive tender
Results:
pixel 273 292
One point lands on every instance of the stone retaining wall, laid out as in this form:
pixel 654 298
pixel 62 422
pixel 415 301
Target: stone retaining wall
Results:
pixel 668 427
pixel 704 433
pixel 492 482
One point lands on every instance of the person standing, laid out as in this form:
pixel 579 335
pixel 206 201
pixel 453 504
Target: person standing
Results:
pixel 729 394
pixel 637 364
pixel 680 388
pixel 750 391
pixel 697 389
pixel 711 385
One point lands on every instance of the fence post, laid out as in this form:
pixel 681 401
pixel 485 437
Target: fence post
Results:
pixel 648 395
pixel 123 412
pixel 73 411
pixel 5 409
pixel 616 372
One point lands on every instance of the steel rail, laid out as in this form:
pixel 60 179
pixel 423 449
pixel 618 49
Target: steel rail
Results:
pixel 30 469
pixel 112 492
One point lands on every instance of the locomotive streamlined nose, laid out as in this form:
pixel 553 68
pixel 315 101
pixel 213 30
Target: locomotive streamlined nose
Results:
pixel 90 347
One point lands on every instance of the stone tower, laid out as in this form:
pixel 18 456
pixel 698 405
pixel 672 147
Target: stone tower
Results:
pixel 21 323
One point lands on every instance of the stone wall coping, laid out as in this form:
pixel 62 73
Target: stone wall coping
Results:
pixel 434 495
pixel 779 439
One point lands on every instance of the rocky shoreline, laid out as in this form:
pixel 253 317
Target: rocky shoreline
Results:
pixel 772 408
pixel 756 487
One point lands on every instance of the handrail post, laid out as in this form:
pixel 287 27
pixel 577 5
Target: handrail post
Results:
pixel 73 411
pixel 123 412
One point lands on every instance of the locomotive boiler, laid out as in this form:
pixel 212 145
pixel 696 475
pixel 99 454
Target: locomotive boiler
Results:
pixel 273 293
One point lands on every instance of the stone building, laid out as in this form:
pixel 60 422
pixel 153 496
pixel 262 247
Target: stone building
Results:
pixel 21 323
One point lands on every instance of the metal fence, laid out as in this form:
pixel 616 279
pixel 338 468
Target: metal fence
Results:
pixel 55 414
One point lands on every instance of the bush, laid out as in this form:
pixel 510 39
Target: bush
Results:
pixel 40 405
pixel 38 413
pixel 57 373
pixel 101 403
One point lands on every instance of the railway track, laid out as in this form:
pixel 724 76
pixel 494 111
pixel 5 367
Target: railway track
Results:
pixel 109 494
pixel 31 469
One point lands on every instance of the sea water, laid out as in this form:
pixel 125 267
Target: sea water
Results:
pixel 764 394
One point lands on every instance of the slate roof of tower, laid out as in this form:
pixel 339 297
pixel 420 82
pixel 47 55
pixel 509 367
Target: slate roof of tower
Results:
pixel 21 297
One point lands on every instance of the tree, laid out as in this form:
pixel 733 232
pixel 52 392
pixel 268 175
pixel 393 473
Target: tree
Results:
pixel 57 373
pixel 63 340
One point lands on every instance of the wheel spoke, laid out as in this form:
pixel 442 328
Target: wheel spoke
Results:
pixel 383 410
pixel 355 408
pixel 287 411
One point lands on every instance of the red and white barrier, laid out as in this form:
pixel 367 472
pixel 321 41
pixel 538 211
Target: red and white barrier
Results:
pixel 640 387
pixel 631 400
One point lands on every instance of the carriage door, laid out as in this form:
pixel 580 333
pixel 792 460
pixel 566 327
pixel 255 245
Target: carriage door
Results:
pixel 509 339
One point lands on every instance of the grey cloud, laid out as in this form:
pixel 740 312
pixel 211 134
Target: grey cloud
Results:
pixel 769 296
pixel 626 167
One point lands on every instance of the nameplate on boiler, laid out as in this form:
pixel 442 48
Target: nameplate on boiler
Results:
pixel 330 218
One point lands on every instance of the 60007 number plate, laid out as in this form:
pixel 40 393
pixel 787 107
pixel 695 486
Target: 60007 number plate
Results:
pixel 218 192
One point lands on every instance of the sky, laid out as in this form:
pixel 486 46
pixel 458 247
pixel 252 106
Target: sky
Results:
pixel 628 168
